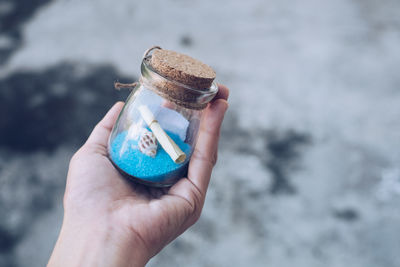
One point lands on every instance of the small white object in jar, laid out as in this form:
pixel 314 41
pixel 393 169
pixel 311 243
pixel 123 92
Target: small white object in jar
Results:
pixel 148 143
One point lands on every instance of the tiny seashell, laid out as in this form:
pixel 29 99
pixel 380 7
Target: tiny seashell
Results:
pixel 148 143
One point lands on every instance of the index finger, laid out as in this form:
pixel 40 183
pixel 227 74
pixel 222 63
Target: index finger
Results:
pixel 223 92
pixel 205 154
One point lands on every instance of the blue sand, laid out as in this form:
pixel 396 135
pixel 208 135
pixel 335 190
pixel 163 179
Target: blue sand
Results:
pixel 139 165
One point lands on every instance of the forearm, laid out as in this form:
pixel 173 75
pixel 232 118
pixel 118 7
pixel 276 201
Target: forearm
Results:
pixel 102 244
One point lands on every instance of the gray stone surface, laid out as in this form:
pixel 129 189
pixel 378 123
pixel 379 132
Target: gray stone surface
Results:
pixel 309 163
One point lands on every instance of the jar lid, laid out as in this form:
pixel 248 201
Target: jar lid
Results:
pixel 181 79
pixel 182 68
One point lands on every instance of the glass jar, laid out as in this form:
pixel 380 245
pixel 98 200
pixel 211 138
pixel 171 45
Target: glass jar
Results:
pixel 156 132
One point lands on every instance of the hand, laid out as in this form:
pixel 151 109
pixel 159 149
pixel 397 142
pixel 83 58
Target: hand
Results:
pixel 109 221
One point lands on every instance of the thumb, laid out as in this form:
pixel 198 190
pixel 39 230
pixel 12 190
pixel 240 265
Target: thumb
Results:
pixel 102 131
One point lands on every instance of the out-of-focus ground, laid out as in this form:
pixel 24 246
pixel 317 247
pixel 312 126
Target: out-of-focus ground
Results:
pixel 309 163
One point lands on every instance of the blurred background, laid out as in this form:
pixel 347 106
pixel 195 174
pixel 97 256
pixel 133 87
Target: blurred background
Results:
pixel 309 162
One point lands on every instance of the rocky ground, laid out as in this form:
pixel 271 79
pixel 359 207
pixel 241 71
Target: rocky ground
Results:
pixel 309 164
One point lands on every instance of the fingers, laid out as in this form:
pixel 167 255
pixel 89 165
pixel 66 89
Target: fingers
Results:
pixel 102 131
pixel 205 154
pixel 189 193
pixel 190 201
pixel 223 92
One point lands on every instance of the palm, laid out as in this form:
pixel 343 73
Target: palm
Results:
pixel 137 208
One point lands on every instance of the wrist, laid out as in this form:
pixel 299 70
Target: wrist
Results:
pixel 96 243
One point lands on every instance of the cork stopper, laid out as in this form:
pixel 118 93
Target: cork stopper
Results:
pixel 182 68
pixel 179 78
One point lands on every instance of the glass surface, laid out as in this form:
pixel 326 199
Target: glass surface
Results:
pixel 133 147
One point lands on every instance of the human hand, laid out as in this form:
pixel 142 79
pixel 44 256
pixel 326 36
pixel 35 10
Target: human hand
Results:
pixel 109 221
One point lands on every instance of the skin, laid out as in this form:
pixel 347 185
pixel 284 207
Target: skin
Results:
pixel 109 221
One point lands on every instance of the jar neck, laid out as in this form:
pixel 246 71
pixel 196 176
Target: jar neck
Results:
pixel 174 91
